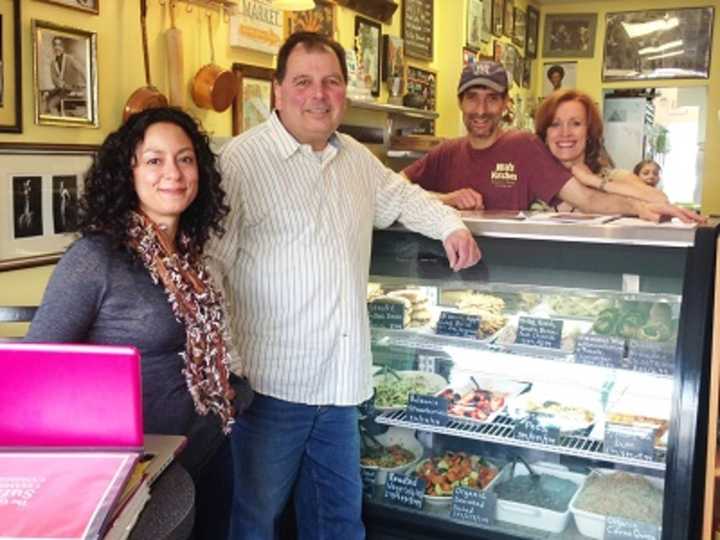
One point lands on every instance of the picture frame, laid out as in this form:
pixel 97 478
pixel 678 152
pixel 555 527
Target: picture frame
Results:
pixel 417 28
pixel 508 12
pixel 393 57
pixel 255 98
pixel 498 11
pixel 567 77
pixel 322 19
pixel 39 189
pixel 90 6
pixel 10 67
pixel 65 86
pixel 519 28
pixel 486 22
pixel 678 48
pixel 527 73
pixel 474 27
pixel 368 48
pixel 567 35
pixel 531 32
pixel 422 81
pixel 470 57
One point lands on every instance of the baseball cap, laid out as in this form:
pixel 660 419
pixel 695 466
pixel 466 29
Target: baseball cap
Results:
pixel 483 73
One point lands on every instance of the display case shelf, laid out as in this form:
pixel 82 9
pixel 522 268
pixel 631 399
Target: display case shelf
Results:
pixel 500 430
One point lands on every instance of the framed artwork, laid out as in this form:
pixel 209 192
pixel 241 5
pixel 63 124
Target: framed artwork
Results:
pixel 558 75
pixel 10 67
pixel 41 185
pixel 531 32
pixel 474 30
pixel 498 11
pixel 470 57
pixel 423 82
pixel 498 51
pixel 486 21
pixel 417 28
pixel 658 44
pixel 527 71
pixel 321 19
pixel 64 75
pixel 508 18
pixel 254 100
pixel 91 6
pixel 569 35
pixel 519 28
pixel 367 49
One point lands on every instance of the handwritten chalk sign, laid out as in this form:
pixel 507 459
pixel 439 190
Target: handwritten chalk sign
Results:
pixel 617 528
pixel 538 332
pixel 458 324
pixel 369 477
pixel 529 429
pixel 428 410
pixel 404 490
pixel 386 315
pixel 417 28
pixel 603 351
pixel 473 505
pixel 651 357
pixel 630 441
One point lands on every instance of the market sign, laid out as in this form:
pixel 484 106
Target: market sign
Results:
pixel 258 26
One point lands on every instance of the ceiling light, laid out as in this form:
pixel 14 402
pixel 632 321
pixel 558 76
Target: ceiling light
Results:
pixel 641 29
pixel 661 48
pixel 294 5
pixel 666 55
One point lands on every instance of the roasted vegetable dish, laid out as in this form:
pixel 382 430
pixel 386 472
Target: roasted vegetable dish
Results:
pixel 477 404
pixel 443 474
pixel 387 457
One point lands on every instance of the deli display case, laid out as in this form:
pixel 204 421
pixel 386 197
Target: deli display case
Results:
pixel 558 389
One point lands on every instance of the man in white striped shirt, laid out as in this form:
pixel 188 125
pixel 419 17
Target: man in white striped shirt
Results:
pixel 295 264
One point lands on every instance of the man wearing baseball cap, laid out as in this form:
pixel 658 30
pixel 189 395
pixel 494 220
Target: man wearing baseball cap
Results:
pixel 497 169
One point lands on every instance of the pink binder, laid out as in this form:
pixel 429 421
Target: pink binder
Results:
pixel 70 396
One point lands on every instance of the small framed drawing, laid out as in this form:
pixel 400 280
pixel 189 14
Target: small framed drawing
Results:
pixel 527 70
pixel 569 35
pixel 41 185
pixel 558 75
pixel 367 48
pixel 474 30
pixel 10 67
pixel 658 44
pixel 519 28
pixel 321 19
pixel 254 100
pixel 91 6
pixel 423 82
pixel 65 82
pixel 508 18
pixel 531 32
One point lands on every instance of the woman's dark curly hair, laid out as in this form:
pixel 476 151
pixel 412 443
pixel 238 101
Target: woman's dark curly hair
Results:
pixel 109 195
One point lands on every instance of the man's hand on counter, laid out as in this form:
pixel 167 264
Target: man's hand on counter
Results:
pixel 462 249
pixel 463 199
pixel 664 211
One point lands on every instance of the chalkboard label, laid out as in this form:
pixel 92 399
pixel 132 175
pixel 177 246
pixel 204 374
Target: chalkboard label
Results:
pixel 473 505
pixel 404 490
pixel 427 410
pixel 604 351
pixel 417 28
pixel 546 333
pixel 617 528
pixel 529 429
pixel 387 315
pixel 369 476
pixel 630 441
pixel 651 357
pixel 458 324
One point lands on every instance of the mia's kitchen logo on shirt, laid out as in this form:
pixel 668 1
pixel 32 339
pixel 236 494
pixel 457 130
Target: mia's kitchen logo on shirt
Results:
pixel 504 175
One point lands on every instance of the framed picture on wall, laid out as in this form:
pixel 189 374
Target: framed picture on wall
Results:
pixel 39 190
pixel 531 32
pixel 417 28
pixel 10 67
pixel 559 75
pixel 474 30
pixel 569 35
pixel 470 57
pixel 498 10
pixel 65 75
pixel 423 82
pixel 91 6
pixel 658 44
pixel 508 18
pixel 367 49
pixel 254 100
pixel 321 19
pixel 519 27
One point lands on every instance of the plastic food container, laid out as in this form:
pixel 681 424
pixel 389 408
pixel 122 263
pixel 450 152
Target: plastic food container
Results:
pixel 481 402
pixel 432 382
pixel 534 516
pixel 591 524
pixel 406 439
pixel 572 329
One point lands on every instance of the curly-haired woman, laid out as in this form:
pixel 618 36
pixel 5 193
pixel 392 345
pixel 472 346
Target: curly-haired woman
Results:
pixel 136 277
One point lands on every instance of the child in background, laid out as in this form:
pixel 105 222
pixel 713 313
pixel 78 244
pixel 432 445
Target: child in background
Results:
pixel 648 171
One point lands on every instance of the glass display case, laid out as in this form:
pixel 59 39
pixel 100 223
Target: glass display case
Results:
pixel 558 389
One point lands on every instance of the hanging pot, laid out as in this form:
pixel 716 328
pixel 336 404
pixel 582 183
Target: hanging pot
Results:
pixel 213 87
pixel 145 97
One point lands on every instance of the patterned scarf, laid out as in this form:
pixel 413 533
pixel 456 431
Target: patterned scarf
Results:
pixel 199 307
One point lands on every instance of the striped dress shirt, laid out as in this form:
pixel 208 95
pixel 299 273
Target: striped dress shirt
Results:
pixel 295 259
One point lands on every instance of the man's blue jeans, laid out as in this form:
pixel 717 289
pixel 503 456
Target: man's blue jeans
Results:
pixel 312 452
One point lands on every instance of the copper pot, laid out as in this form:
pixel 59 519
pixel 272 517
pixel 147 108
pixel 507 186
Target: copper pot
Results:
pixel 213 87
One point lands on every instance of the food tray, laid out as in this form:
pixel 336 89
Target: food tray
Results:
pixel 433 381
pixel 405 438
pixel 581 307
pixel 640 411
pixel 534 516
pixel 592 524
pixel 500 392
pixel 572 329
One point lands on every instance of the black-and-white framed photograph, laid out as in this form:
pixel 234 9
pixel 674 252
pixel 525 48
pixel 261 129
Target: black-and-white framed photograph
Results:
pixel 569 35
pixel 474 31
pixel 531 32
pixel 368 47
pixel 558 75
pixel 10 67
pixel 65 75
pixel 254 100
pixel 91 6
pixel 40 186
pixel 508 12
pixel 519 28
pixel 498 10
pixel 658 44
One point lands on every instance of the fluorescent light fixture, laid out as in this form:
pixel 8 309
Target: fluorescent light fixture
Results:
pixel 661 48
pixel 294 5
pixel 666 55
pixel 641 29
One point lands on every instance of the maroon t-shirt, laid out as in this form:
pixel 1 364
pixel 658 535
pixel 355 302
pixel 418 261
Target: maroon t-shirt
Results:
pixel 510 174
